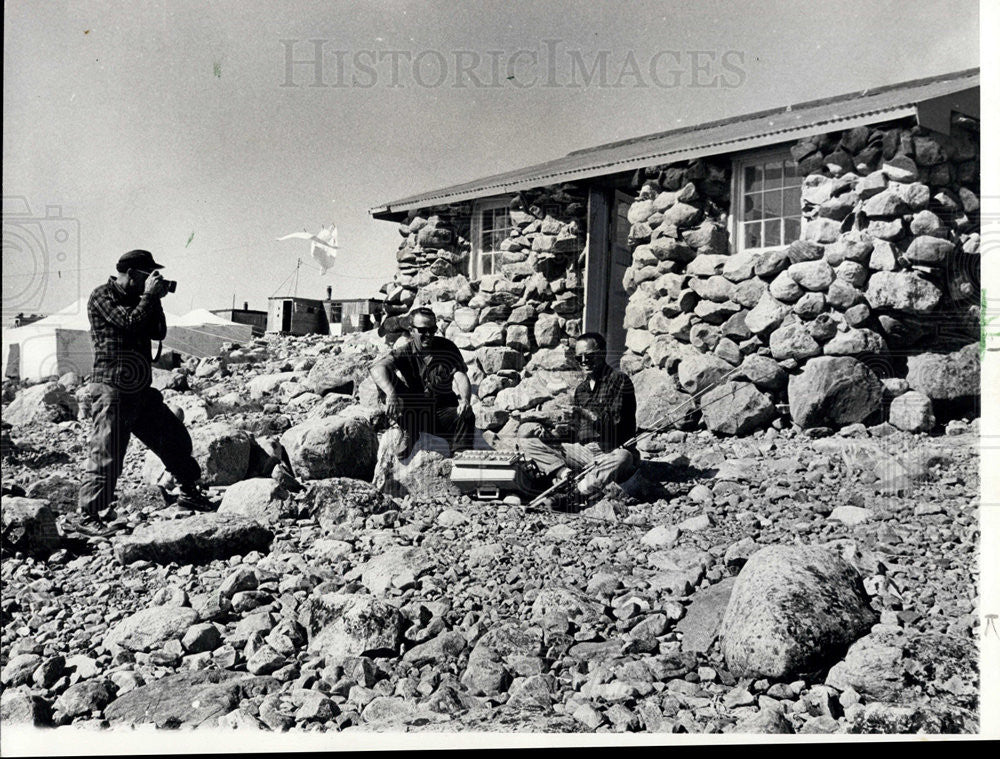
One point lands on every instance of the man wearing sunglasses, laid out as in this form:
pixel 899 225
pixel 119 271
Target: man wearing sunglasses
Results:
pixel 603 421
pixel 125 317
pixel 419 381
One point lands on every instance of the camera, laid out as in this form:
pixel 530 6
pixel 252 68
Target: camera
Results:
pixel 171 285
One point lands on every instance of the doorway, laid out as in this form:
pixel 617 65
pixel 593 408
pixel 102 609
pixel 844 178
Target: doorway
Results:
pixel 608 256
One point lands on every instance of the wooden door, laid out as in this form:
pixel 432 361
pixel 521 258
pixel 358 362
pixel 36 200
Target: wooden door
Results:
pixel 620 259
pixel 608 256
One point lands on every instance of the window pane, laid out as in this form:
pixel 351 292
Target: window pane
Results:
pixel 751 178
pixel 751 207
pixel 790 202
pixel 791 175
pixel 751 235
pixel 772 204
pixel 791 229
pixel 772 176
pixel 772 232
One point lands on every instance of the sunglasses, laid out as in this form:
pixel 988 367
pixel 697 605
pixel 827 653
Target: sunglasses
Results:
pixel 588 357
pixel 425 330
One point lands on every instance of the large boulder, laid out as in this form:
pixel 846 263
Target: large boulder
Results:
pixel 188 699
pixel 396 567
pixel 503 652
pixel 764 372
pixel 267 384
pixel 698 372
pixel 912 412
pixel 200 538
pixel 222 451
pixel 898 666
pixel 261 498
pixel 945 376
pixel 904 291
pixel 701 622
pixel 335 446
pixel 339 500
pixel 28 525
pixel 150 628
pixel 793 341
pixel 793 610
pixel 45 403
pixel 767 314
pixel 736 408
pixel 425 476
pixel 19 706
pixel 657 399
pixel 190 408
pixel 530 392
pixel 340 625
pixel 833 391
pixel 333 374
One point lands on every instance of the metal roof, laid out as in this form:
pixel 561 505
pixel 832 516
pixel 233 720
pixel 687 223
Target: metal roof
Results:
pixel 727 136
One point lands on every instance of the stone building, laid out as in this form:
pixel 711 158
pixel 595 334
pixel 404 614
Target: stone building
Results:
pixel 828 252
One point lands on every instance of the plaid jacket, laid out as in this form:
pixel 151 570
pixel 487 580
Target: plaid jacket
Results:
pixel 612 402
pixel 121 329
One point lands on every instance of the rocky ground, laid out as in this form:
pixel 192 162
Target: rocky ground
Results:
pixel 339 608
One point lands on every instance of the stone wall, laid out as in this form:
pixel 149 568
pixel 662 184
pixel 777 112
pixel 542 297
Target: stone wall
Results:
pixel 887 267
pixel 512 325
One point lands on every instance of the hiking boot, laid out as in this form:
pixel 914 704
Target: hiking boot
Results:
pixel 88 526
pixel 194 498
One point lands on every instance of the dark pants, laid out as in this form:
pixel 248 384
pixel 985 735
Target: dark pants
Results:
pixel 444 421
pixel 116 416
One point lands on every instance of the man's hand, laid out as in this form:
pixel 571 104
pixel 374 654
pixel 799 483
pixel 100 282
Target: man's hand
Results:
pixel 156 285
pixel 392 406
pixel 463 405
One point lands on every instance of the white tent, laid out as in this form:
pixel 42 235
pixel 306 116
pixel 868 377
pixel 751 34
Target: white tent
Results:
pixel 54 345
pixel 61 343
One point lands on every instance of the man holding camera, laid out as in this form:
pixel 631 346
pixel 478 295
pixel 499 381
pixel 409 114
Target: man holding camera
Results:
pixel 125 317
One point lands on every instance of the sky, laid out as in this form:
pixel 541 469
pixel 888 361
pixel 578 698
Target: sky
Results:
pixel 188 128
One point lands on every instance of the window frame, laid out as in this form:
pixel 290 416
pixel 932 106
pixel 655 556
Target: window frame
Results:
pixel 740 162
pixel 479 210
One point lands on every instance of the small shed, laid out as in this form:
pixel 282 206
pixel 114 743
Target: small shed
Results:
pixel 353 314
pixel 296 316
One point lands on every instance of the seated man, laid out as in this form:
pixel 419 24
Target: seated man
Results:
pixel 417 382
pixel 603 421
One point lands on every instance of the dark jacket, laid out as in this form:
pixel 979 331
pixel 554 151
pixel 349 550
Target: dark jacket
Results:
pixel 612 402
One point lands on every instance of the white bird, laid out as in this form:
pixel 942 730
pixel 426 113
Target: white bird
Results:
pixel 324 245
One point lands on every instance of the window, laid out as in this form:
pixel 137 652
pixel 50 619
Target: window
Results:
pixel 768 205
pixel 491 225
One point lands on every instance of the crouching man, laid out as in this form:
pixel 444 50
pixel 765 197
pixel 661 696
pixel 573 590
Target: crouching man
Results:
pixel 419 380
pixel 603 421
pixel 125 317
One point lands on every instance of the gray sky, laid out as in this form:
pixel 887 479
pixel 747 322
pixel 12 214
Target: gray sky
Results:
pixel 150 123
